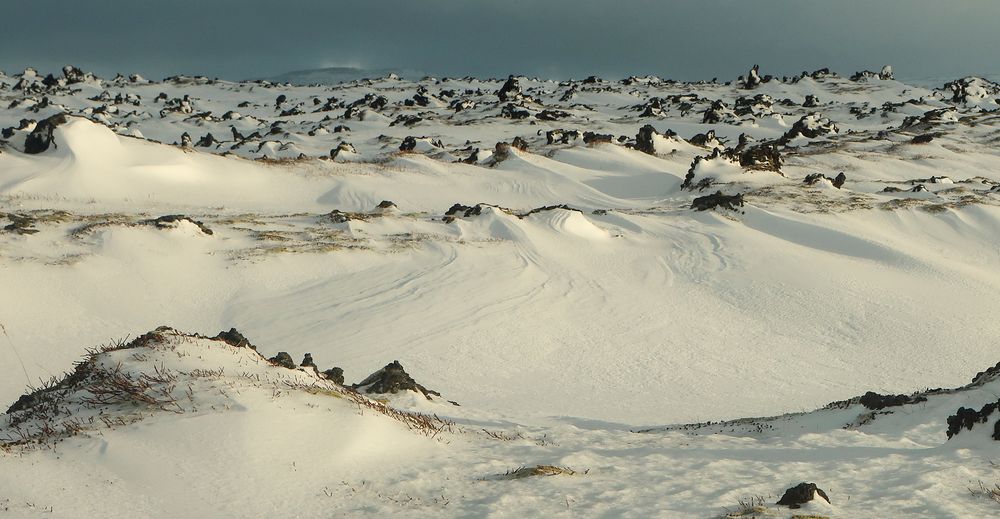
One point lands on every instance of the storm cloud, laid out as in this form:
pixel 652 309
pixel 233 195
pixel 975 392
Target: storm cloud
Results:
pixel 556 38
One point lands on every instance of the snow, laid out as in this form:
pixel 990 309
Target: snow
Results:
pixel 586 302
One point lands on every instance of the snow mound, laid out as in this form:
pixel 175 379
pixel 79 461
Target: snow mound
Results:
pixel 166 375
pixel 86 143
pixel 568 222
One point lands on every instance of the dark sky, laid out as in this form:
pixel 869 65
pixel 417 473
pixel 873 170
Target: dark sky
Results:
pixel 683 39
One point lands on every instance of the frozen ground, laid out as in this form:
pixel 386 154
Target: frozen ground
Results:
pixel 572 334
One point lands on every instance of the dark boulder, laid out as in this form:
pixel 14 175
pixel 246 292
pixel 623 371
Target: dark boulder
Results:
pixel 207 141
pixel 802 493
pixel 753 78
pixel 282 359
pixel 875 401
pixel 519 144
pixel 717 199
pixel 644 139
pixel 512 111
pixel 234 338
pixel 703 139
pixel 41 137
pixel 551 115
pixel 409 143
pixel 307 361
pixel 966 419
pixel 392 379
pixel 343 147
pixel 762 157
pixel 171 220
pixel 596 138
pixel 335 375
pixel 510 91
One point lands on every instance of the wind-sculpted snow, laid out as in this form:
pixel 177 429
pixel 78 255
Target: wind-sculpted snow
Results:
pixel 564 256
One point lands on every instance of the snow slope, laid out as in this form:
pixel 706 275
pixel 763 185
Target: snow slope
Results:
pixel 571 291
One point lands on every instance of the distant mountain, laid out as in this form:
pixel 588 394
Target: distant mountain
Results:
pixel 334 75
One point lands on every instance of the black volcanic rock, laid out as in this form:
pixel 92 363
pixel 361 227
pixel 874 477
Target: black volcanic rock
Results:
pixel 717 199
pixel 40 138
pixel 966 419
pixel 235 338
pixel 595 138
pixel 335 374
pixel 282 359
pixel 510 91
pixel 392 379
pixel 644 139
pixel 800 494
pixel 171 220
pixel 875 401
pixel 762 157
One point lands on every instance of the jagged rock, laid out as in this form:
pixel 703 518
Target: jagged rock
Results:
pixel 407 120
pixel 762 157
pixel 717 199
pixel 704 139
pixel 886 73
pixel 837 182
pixel 307 361
pixel 811 101
pixel 919 188
pixel 501 152
pixel 753 78
pixel 409 143
pixel 715 113
pixel 971 89
pixel 385 205
pixel 40 138
pixel 206 141
pixel 282 359
pixel 392 379
pixel 757 106
pixel 875 401
pixel 561 136
pixel 510 91
pixel 512 111
pixel 809 126
pixel 185 140
pixel 802 493
pixel 551 115
pixel 235 338
pixel 335 375
pixel 595 138
pixel 171 220
pixel 519 144
pixel 466 210
pixel 473 157
pixel 966 418
pixel 922 139
pixel 644 139
pixel 343 147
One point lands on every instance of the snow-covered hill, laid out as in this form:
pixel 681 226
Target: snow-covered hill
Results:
pixel 530 249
